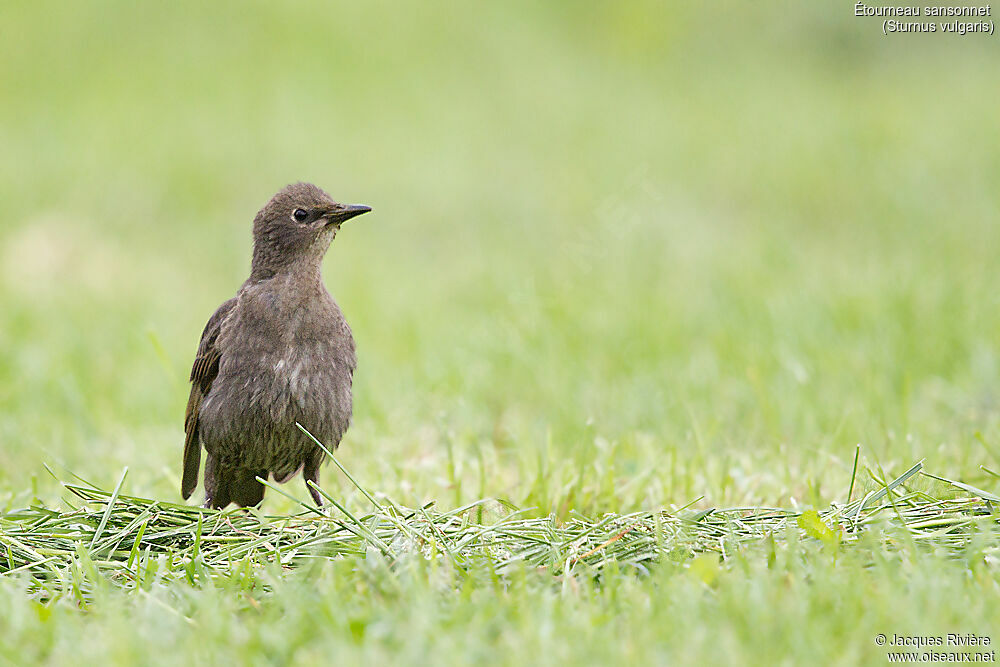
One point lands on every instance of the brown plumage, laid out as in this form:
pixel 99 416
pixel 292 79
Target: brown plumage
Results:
pixel 277 353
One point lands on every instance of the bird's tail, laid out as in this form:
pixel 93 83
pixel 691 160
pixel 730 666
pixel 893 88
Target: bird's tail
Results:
pixel 243 487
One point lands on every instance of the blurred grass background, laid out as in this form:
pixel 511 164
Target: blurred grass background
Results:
pixel 622 255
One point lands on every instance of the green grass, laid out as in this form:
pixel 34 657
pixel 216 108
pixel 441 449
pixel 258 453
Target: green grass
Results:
pixel 110 546
pixel 622 260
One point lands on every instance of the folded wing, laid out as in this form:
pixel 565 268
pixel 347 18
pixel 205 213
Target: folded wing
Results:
pixel 206 367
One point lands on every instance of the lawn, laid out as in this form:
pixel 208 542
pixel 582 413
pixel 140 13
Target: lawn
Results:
pixel 640 279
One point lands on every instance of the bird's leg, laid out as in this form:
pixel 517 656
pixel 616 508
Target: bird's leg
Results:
pixel 310 473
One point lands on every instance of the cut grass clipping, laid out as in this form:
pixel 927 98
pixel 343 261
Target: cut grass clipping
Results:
pixel 137 542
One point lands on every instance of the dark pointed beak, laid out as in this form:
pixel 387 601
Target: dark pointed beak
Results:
pixel 343 212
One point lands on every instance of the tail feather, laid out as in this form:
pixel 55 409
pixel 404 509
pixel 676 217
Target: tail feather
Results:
pixel 224 485
pixel 244 489
pixel 192 462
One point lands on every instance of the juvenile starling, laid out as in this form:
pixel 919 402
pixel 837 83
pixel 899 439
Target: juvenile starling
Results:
pixel 277 353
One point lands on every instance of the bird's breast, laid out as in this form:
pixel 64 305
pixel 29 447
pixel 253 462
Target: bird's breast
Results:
pixel 299 374
pixel 291 359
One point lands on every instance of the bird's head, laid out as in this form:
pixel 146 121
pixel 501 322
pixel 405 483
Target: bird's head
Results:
pixel 297 225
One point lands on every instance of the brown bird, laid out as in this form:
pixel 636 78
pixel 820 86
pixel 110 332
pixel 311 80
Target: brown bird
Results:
pixel 277 353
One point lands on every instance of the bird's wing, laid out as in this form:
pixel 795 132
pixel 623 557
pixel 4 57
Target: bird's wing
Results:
pixel 206 367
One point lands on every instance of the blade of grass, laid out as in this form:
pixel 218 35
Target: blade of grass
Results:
pixel 107 511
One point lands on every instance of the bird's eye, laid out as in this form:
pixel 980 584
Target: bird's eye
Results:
pixel 300 214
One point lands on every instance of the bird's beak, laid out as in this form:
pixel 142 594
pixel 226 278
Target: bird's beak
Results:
pixel 342 212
